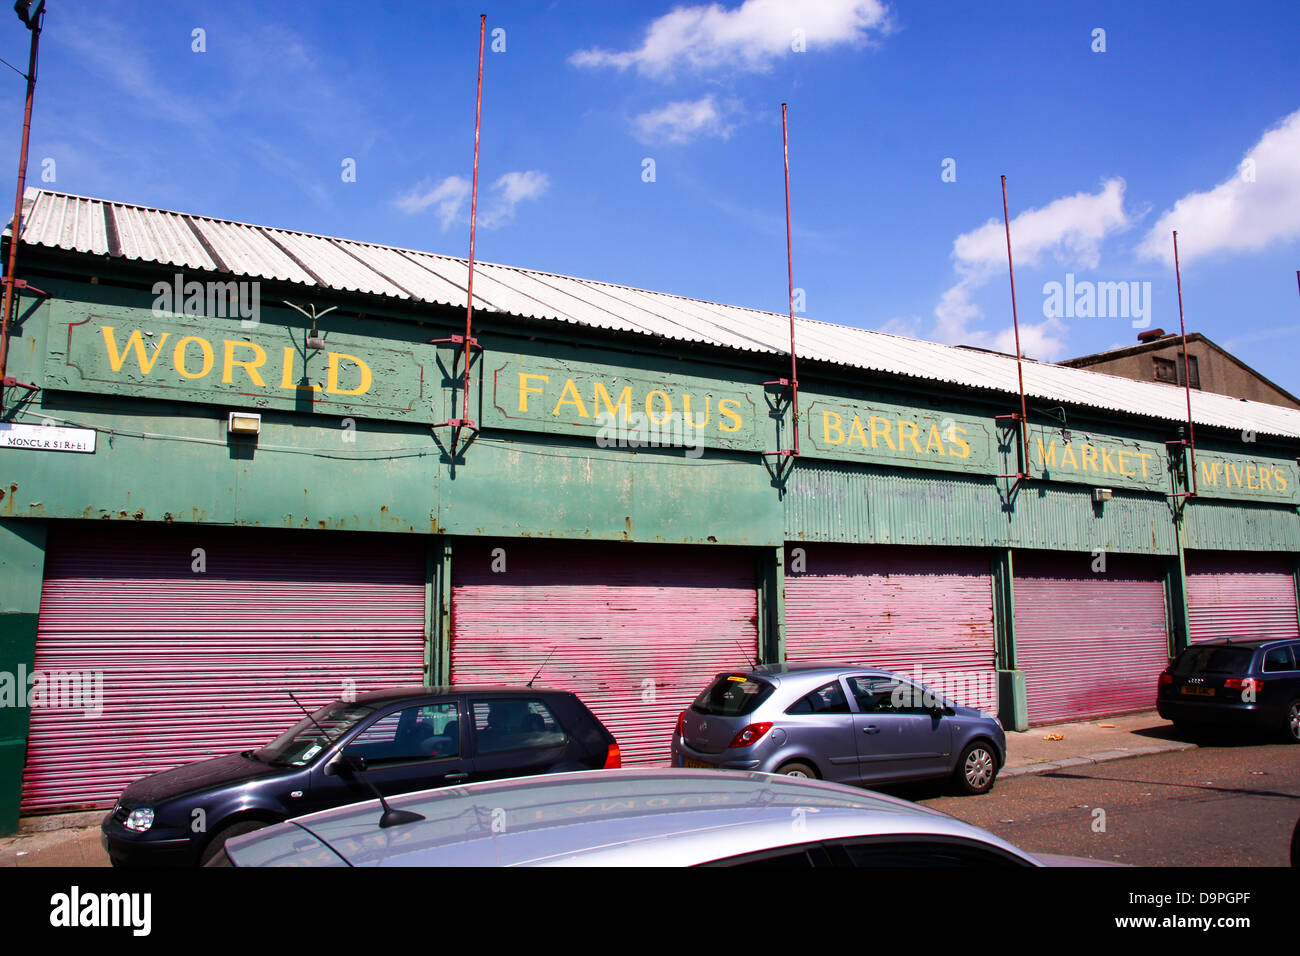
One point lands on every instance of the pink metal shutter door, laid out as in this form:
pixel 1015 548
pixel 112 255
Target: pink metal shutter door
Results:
pixel 923 612
pixel 195 664
pixel 1241 595
pixel 1089 644
pixel 636 631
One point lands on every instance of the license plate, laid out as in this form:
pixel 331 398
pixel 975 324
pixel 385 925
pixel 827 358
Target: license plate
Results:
pixel 1197 691
pixel 699 765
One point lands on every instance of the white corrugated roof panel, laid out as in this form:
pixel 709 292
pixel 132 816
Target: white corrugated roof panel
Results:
pixel 82 224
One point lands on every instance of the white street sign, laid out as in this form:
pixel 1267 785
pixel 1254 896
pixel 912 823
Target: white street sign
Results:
pixel 47 438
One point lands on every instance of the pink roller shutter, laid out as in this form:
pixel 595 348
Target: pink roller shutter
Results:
pixel 1241 595
pixel 636 631
pixel 923 612
pixel 198 664
pixel 1089 644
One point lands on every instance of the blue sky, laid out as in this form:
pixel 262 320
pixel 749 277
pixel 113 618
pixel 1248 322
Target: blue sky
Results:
pixel 1189 119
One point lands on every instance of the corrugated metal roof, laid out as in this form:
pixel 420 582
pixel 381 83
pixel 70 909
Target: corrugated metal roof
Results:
pixel 101 227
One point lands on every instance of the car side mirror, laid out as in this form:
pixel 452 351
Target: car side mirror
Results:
pixel 345 765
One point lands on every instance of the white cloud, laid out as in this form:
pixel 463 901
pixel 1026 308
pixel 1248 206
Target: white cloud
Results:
pixel 451 197
pixel 1238 215
pixel 684 120
pixel 749 37
pixel 511 189
pixel 516 187
pixel 1071 229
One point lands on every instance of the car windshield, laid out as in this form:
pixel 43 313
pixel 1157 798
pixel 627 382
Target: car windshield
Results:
pixel 732 695
pixel 1213 659
pixel 304 740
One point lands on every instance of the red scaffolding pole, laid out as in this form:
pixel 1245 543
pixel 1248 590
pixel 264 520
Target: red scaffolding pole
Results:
pixel 792 383
pixel 1190 443
pixel 467 341
pixel 1022 418
pixel 11 281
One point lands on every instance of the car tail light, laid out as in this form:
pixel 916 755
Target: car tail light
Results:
pixel 1243 684
pixel 681 724
pixel 1166 678
pixel 613 758
pixel 750 735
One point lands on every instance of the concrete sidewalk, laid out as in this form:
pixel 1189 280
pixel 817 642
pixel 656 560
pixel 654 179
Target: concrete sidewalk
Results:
pixel 1087 742
pixel 73 839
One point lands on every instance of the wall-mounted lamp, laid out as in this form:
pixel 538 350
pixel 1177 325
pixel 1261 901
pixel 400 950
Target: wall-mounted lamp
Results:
pixel 244 423
pixel 1101 494
pixel 314 340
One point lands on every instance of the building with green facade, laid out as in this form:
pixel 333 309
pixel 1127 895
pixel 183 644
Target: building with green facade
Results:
pixel 237 461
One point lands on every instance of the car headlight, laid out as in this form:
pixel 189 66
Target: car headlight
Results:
pixel 992 717
pixel 140 819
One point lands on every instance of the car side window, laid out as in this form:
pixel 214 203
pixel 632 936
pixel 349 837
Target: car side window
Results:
pixel 923 853
pixel 1279 659
pixel 428 732
pixel 887 695
pixel 827 699
pixel 515 724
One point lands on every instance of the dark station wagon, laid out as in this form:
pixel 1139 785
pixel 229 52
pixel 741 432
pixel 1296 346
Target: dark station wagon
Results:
pixel 386 743
pixel 1246 684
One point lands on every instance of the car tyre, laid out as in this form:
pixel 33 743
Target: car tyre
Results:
pixel 977 768
pixel 218 841
pixel 1292 727
pixel 797 769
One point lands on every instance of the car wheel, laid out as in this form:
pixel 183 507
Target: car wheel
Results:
pixel 218 841
pixel 977 767
pixel 797 769
pixel 1293 722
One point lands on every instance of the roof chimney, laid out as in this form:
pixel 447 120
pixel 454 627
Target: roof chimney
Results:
pixel 1150 335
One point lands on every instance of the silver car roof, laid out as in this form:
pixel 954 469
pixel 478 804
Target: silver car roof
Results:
pixel 653 817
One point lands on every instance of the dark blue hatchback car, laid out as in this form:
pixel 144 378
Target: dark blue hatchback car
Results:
pixel 1234 683
pixel 393 742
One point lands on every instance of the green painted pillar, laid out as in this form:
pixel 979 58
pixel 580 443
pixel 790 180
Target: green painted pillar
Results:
pixel 1296 559
pixel 1013 708
pixel 771 606
pixel 438 609
pixel 22 568
pixel 1180 627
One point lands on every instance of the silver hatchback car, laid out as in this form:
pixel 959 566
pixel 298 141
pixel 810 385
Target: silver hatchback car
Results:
pixel 654 817
pixel 846 724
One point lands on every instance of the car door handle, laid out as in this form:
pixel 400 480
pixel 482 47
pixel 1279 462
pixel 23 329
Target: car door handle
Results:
pixel 456 777
pixel 871 729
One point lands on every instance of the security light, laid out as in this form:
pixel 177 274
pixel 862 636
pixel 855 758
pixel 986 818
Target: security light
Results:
pixel 1101 494
pixel 245 423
